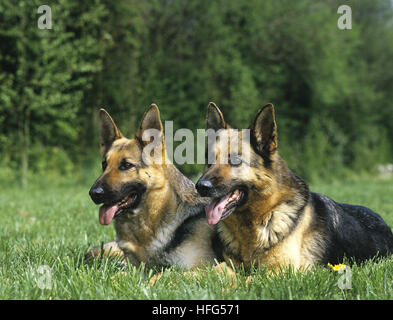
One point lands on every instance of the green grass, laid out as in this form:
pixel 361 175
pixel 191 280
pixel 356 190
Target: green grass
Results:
pixel 54 226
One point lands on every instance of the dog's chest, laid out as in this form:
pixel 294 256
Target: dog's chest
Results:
pixel 281 245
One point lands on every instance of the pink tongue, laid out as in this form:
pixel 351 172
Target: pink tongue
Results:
pixel 106 214
pixel 215 209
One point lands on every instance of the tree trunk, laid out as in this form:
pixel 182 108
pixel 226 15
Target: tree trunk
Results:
pixel 25 142
pixel 24 124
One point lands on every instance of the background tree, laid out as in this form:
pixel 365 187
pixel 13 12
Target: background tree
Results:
pixel 331 88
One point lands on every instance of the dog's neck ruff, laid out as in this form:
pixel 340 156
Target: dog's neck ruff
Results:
pixel 285 215
pixel 280 222
pixel 276 225
pixel 169 231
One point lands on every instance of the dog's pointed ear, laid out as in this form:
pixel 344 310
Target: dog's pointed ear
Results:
pixel 108 131
pixel 151 120
pixel 214 119
pixel 263 131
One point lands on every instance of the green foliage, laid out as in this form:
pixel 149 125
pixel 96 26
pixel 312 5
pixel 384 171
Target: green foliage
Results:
pixel 44 75
pixel 331 88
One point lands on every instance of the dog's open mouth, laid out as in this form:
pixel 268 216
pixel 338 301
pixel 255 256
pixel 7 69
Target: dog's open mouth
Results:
pixel 221 208
pixel 108 212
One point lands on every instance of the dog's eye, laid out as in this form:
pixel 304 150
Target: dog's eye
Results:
pixel 104 164
pixel 234 160
pixel 125 165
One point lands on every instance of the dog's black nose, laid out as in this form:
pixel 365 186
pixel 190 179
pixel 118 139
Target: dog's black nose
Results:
pixel 97 194
pixel 204 187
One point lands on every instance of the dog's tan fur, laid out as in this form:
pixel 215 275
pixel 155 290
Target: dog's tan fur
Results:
pixel 275 226
pixel 145 232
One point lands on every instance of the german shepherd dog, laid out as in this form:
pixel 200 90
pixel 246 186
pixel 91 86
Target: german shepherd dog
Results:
pixel 158 215
pixel 266 214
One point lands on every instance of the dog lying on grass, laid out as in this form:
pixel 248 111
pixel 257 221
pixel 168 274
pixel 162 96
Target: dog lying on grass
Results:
pixel 158 215
pixel 265 214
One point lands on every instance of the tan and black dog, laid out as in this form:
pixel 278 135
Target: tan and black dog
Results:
pixel 266 214
pixel 158 215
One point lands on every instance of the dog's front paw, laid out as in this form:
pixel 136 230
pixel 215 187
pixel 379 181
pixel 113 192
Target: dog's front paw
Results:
pixel 108 249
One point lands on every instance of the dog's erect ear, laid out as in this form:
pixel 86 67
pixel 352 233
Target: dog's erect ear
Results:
pixel 263 131
pixel 151 120
pixel 108 131
pixel 214 119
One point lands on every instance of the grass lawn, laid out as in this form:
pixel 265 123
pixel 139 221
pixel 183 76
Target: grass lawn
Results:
pixel 46 230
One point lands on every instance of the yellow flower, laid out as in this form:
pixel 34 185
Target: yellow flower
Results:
pixel 337 267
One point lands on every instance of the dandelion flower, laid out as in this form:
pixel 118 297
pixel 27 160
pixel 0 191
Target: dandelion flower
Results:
pixel 337 267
